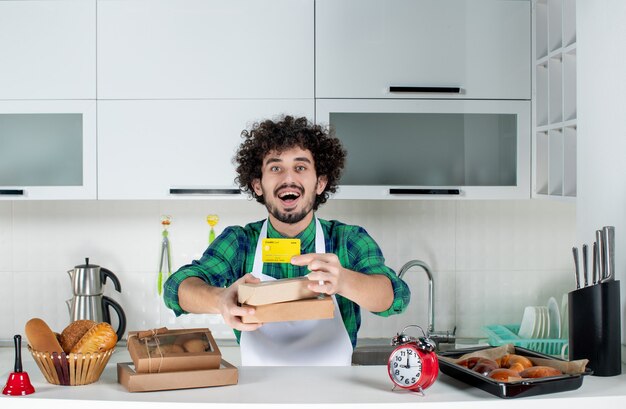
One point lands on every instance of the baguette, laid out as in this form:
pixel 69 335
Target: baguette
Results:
pixel 40 337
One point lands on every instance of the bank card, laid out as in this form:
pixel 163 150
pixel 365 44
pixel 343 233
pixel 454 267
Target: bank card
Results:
pixel 280 250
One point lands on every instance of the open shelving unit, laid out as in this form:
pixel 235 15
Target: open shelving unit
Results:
pixel 554 97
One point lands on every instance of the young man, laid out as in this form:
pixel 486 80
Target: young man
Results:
pixel 291 166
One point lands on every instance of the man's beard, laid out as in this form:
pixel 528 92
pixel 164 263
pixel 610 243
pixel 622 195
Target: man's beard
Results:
pixel 289 217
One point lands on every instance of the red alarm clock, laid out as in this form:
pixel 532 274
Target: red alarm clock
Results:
pixel 413 365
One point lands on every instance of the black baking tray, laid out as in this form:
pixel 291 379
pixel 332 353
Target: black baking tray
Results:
pixel 507 390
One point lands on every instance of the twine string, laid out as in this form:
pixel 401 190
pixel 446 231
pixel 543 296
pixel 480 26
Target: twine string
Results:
pixel 154 336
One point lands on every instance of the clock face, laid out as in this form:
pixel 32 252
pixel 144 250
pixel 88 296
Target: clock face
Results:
pixel 405 367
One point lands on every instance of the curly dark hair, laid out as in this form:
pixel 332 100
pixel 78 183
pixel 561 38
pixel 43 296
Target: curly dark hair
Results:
pixel 286 133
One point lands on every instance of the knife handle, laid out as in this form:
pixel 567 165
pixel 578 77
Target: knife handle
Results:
pixel 608 234
pixel 585 270
pixel 595 268
pixel 600 242
pixel 576 266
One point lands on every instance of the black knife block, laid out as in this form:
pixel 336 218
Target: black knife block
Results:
pixel 594 327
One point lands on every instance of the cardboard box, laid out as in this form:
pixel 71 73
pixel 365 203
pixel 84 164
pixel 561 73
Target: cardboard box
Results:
pixel 276 291
pixel 226 374
pixel 165 350
pixel 314 309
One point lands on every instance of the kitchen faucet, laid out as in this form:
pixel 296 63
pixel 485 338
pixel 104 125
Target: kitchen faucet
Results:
pixel 436 336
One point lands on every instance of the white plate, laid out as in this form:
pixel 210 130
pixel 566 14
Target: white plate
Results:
pixel 555 319
pixel 542 329
pixel 527 325
pixel 564 317
pixel 538 330
pixel 546 322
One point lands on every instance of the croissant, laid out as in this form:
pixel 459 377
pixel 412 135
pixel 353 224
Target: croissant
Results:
pixel 100 338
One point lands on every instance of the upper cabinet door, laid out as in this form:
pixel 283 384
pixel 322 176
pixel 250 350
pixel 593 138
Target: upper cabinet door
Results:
pixel 169 149
pixel 205 49
pixel 48 49
pixel 365 47
pixel 48 149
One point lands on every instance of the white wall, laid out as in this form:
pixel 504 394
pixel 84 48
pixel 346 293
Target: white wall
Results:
pixel 490 258
pixel 601 85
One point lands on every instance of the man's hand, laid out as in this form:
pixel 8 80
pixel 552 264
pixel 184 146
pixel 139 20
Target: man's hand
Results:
pixel 326 271
pixel 371 291
pixel 231 311
pixel 198 297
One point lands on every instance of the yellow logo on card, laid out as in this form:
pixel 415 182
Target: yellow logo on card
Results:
pixel 280 250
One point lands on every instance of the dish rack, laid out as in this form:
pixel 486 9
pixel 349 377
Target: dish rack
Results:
pixel 507 334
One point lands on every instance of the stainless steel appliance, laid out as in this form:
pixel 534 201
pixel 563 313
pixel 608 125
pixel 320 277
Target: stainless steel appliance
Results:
pixel 89 301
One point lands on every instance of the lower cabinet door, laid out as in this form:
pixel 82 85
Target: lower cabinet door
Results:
pixel 176 149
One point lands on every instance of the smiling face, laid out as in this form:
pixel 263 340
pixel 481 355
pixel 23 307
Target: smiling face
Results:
pixel 289 184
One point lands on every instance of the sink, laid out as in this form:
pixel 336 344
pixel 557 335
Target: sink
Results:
pixel 372 354
pixel 377 353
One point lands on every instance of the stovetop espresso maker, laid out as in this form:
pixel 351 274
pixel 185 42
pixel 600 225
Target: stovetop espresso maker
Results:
pixel 89 301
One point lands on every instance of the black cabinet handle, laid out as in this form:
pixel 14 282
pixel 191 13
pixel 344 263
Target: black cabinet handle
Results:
pixel 424 192
pixel 445 90
pixel 205 191
pixel 12 192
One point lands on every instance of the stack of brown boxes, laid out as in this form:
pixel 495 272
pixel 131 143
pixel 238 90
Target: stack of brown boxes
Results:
pixel 287 299
pixel 174 359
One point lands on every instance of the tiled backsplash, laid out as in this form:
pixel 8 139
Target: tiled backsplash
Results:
pixel 489 258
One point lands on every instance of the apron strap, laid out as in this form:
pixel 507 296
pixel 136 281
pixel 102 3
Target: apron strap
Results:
pixel 257 267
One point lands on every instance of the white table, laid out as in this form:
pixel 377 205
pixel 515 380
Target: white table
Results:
pixel 319 387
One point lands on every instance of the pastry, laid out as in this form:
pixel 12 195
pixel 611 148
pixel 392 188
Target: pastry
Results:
pixel 166 349
pixel 196 345
pixel 100 338
pixel 484 366
pixel 504 375
pixel 509 360
pixel 540 372
pixel 469 362
pixel 40 336
pixel 74 332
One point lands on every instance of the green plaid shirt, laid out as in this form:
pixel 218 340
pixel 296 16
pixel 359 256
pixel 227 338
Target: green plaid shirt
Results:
pixel 231 255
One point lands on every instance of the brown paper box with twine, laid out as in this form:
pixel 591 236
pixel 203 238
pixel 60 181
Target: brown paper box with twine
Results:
pixel 164 350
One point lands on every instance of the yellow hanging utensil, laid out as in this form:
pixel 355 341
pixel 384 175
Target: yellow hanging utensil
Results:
pixel 212 220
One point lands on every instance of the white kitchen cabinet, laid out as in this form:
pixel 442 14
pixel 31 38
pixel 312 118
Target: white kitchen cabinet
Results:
pixel 431 149
pixel 186 49
pixel 365 47
pixel 554 86
pixel 158 149
pixel 48 149
pixel 48 49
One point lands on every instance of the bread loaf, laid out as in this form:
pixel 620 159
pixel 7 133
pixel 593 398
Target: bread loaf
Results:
pixel 101 337
pixel 40 337
pixel 74 332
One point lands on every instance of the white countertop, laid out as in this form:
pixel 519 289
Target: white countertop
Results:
pixel 347 387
